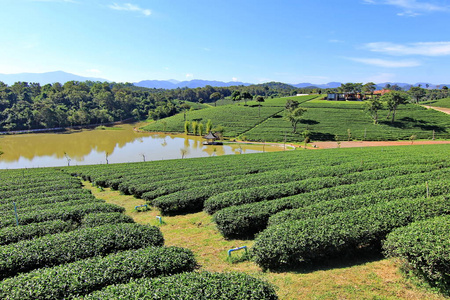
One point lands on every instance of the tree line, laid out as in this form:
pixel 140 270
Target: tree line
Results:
pixel 32 106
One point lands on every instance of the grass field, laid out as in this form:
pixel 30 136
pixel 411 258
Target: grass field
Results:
pixel 374 278
pixel 439 103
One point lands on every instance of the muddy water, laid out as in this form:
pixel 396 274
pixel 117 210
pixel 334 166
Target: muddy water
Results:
pixel 116 145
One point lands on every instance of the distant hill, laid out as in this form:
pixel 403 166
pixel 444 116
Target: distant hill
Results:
pixel 173 84
pixel 329 85
pixel 62 77
pixel 407 86
pixel 277 85
pixel 44 78
pixel 379 86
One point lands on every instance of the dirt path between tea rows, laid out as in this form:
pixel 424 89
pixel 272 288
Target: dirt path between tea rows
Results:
pixel 350 144
pixel 441 109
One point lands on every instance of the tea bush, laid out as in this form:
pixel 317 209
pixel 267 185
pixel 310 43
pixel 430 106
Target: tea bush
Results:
pixel 424 247
pixel 85 276
pixel 199 286
pixel 56 249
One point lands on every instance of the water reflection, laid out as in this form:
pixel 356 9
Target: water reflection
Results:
pixel 115 145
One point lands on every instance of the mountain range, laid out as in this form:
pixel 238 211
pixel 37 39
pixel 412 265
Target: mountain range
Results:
pixel 173 84
pixel 62 77
pixel 44 78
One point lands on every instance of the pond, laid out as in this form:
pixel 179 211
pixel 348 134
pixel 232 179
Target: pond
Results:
pixel 116 144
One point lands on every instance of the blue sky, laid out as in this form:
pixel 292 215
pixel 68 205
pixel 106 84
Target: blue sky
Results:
pixel 252 41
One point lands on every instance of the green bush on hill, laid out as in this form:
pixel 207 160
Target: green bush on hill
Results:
pixel 98 219
pixel 14 234
pixel 191 286
pixel 62 248
pixel 85 276
pixel 298 242
pixel 74 213
pixel 424 247
pixel 248 219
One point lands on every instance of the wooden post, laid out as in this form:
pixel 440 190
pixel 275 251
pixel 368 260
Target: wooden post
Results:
pixel 15 213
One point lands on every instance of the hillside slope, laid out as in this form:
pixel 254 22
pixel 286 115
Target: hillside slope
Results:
pixel 325 120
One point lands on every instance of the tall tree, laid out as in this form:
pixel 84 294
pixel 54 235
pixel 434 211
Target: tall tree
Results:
pixel 393 99
pixel 185 107
pixel 214 97
pixel 372 107
pixel 294 116
pixel 246 96
pixel 209 125
pixel 259 99
pixel 417 93
pixel 369 87
pixel 291 104
pixel 350 87
pixel 236 96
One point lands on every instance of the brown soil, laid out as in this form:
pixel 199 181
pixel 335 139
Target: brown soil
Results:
pixel 442 109
pixel 350 144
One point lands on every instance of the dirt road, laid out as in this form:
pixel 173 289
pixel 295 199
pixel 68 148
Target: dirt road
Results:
pixel 442 109
pixel 345 144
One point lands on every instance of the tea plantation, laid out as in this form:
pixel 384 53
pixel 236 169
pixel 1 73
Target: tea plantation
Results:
pixel 325 121
pixel 304 207
pixel 57 241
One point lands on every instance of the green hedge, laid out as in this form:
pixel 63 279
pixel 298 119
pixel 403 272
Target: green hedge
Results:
pixel 98 219
pixel 192 200
pixel 198 286
pixel 60 195
pixel 436 188
pixel 269 173
pixel 424 247
pixel 248 219
pixel 55 200
pixel 50 179
pixel 26 209
pixel 346 175
pixel 74 213
pixel 88 275
pixel 59 186
pixel 56 249
pixel 297 242
pixel 14 234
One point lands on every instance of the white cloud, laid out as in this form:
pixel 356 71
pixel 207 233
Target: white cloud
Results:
pixel 423 48
pixel 386 63
pixel 189 75
pixel 234 79
pixel 131 7
pixel 94 71
pixel 335 41
pixel 411 8
pixel 381 77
